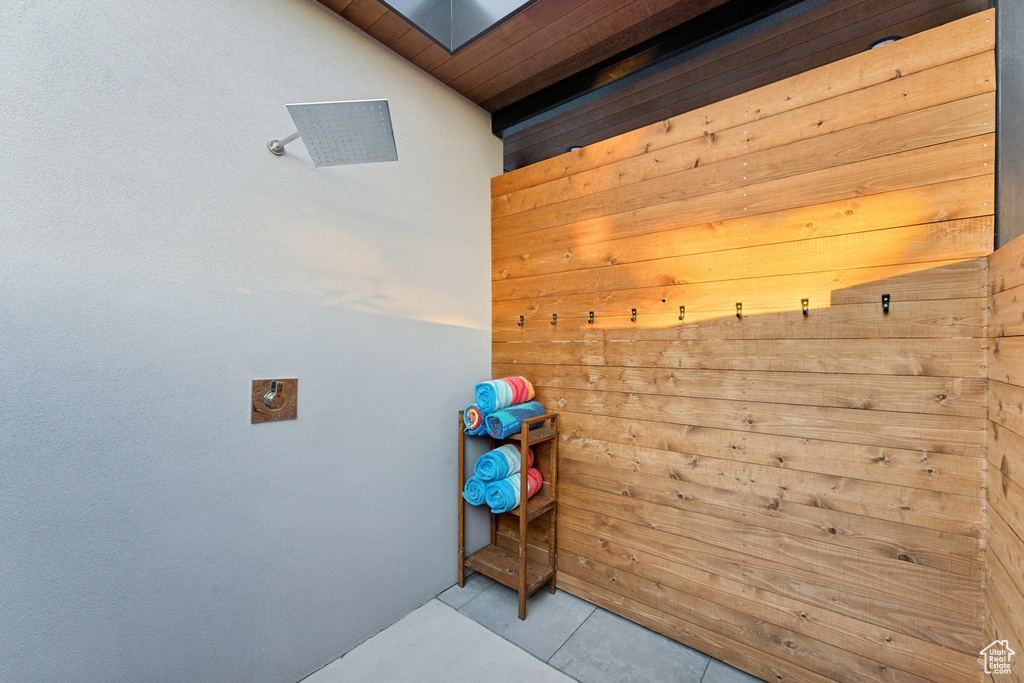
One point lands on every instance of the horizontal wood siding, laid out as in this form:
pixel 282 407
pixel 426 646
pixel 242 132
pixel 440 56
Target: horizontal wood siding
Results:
pixel 802 496
pixel 1005 523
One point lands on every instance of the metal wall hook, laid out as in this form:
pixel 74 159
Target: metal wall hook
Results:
pixel 554 318
pixel 682 312
pixel 591 318
pixel 521 321
pixel 885 303
pixel 633 314
pixel 739 309
pixel 804 303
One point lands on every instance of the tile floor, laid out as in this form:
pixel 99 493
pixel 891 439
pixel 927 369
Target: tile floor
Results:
pixel 473 634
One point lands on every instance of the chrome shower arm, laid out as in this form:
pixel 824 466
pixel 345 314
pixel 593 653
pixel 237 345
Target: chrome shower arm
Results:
pixel 277 146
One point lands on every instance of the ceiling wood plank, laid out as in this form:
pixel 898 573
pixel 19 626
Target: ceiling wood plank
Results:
pixel 363 13
pixel 389 28
pixel 412 43
pixel 337 6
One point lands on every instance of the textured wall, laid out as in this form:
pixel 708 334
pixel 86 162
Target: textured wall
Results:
pixel 155 259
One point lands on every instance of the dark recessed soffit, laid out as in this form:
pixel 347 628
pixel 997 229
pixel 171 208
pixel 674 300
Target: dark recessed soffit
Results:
pixel 645 58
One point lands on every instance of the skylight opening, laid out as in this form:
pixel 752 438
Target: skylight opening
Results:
pixel 454 24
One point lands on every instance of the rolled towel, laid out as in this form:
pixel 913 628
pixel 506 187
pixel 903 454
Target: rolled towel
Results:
pixel 502 393
pixel 503 495
pixel 475 491
pixel 473 419
pixel 503 461
pixel 510 420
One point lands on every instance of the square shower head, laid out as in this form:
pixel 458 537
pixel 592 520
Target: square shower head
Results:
pixel 354 132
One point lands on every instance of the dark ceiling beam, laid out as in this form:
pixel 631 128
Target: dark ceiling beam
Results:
pixel 644 57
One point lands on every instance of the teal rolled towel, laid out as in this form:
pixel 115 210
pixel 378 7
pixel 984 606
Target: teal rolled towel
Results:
pixel 503 423
pixel 475 491
pixel 503 495
pixel 503 461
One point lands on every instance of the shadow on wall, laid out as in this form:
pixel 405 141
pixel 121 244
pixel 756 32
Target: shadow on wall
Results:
pixel 336 269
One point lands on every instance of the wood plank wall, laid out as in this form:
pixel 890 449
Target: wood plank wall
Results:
pixel 800 496
pixel 1005 524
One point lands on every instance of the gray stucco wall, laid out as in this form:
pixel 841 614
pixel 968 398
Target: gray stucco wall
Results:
pixel 155 258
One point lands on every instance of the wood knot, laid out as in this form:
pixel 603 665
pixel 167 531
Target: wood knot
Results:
pixel 941 396
pixel 791 645
pixel 905 558
pixel 803 615
pixel 782 461
pixel 624 492
pixel 832 531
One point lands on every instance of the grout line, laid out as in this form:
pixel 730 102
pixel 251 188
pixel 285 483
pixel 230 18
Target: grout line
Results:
pixel 570 637
pixel 514 644
pixel 459 608
pixel 706 667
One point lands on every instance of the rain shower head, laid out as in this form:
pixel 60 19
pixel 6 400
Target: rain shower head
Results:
pixel 337 133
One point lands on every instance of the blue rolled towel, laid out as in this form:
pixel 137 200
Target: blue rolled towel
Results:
pixel 510 420
pixel 503 495
pixel 502 462
pixel 493 395
pixel 475 491
pixel 501 393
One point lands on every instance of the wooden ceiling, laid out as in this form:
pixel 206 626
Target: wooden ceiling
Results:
pixel 544 43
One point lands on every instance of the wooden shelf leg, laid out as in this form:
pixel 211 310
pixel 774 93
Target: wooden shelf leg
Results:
pixel 553 519
pixel 524 487
pixel 462 504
